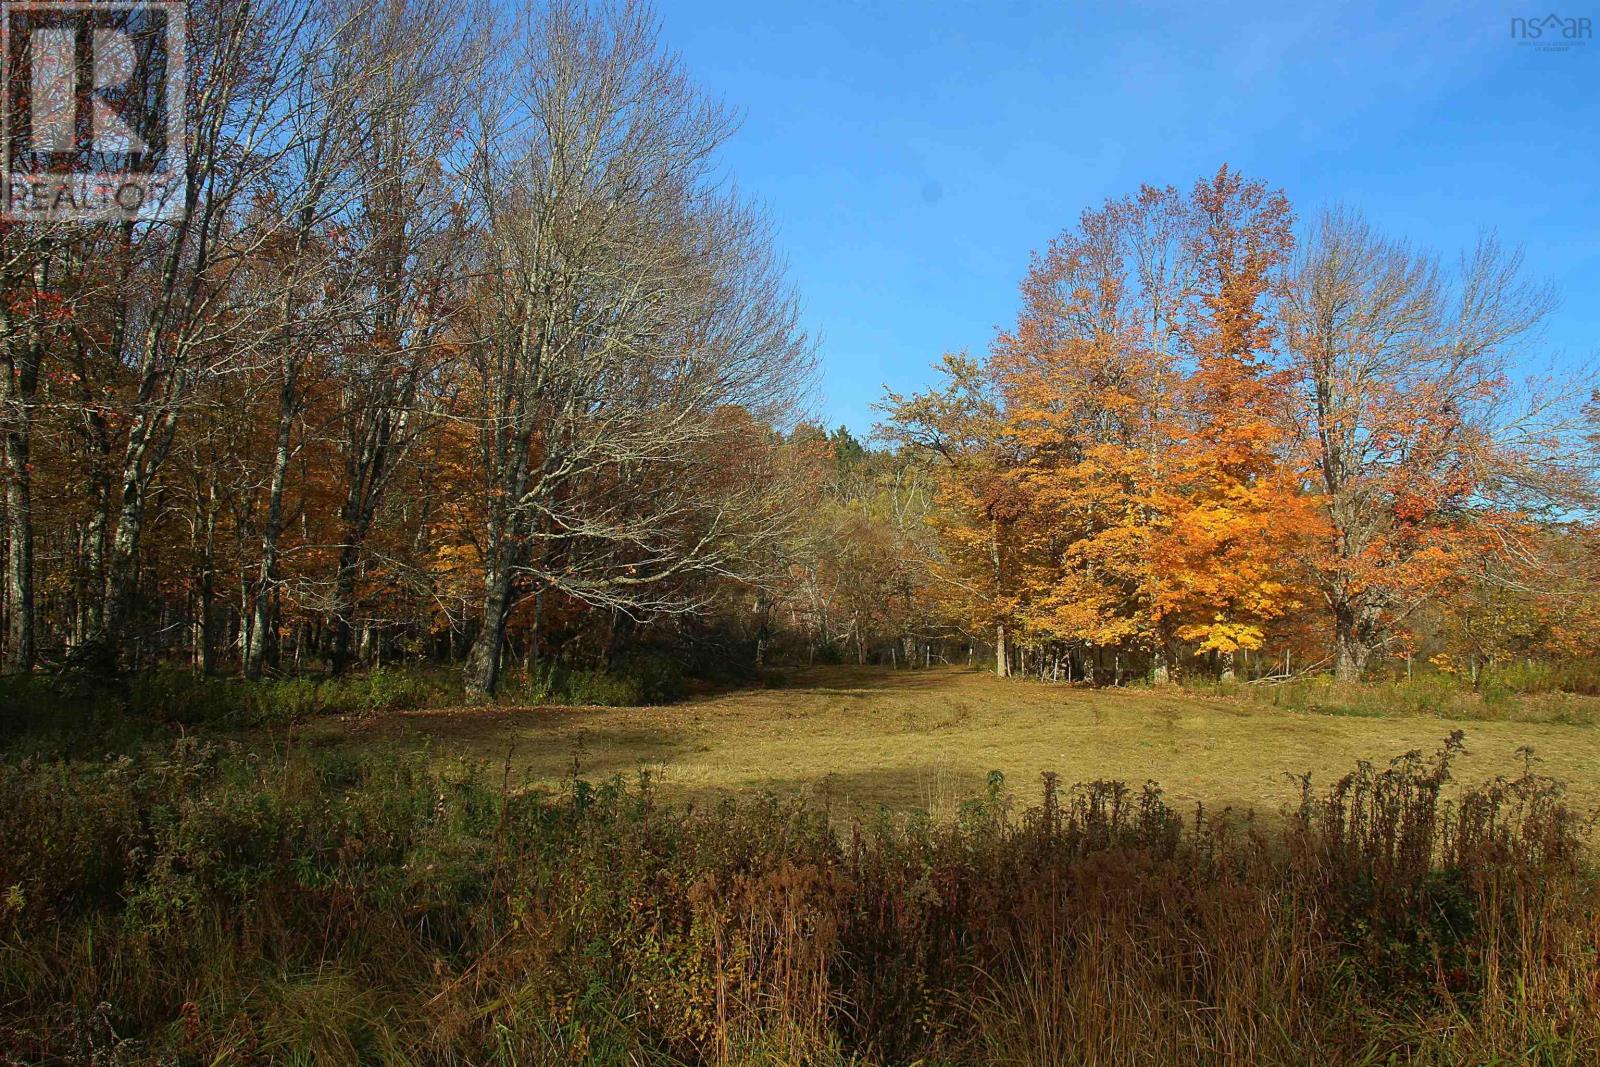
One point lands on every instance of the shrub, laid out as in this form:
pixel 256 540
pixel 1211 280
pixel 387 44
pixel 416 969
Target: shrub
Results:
pixel 1564 676
pixel 68 712
pixel 643 678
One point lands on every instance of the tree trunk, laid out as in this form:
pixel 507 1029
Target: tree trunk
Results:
pixel 367 469
pixel 344 599
pixel 533 633
pixel 90 587
pixel 102 652
pixel 19 557
pixel 1002 663
pixel 481 674
pixel 149 437
pixel 1350 650
pixel 261 623
pixel 22 350
pixel 205 630
pixel 763 628
pixel 93 587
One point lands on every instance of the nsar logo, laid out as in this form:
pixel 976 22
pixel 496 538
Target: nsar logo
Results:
pixel 1552 33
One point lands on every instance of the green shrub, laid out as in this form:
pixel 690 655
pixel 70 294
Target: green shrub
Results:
pixel 633 680
pixel 65 713
pixel 1534 676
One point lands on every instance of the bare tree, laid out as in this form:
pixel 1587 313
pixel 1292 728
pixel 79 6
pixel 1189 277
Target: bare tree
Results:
pixel 312 187
pixel 181 312
pixel 625 302
pixel 1408 414
pixel 367 118
pixel 410 228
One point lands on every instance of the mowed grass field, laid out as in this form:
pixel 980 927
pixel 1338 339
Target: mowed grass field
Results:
pixel 859 739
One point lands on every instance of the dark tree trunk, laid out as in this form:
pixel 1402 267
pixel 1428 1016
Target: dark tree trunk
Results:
pixel 23 349
pixel 481 674
pixel 344 598
pixel 1353 631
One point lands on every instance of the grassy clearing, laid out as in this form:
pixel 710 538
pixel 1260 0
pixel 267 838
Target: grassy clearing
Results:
pixel 856 739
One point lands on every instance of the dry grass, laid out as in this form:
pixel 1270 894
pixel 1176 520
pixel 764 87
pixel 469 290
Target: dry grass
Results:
pixel 861 738
pixel 209 902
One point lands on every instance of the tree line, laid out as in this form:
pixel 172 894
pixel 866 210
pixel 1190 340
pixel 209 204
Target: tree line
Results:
pixel 458 345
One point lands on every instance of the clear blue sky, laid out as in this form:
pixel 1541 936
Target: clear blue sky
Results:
pixel 914 154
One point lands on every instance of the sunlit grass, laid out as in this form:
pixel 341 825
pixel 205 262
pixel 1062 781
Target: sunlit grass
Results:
pixel 859 738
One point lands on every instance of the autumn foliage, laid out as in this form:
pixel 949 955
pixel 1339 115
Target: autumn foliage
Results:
pixel 1196 443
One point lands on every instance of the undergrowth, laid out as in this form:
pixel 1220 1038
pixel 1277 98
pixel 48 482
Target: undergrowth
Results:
pixel 203 903
pixel 66 711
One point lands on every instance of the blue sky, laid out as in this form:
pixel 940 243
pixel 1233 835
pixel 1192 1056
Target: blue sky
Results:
pixel 914 154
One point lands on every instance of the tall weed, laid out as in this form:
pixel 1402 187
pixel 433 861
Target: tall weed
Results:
pixel 201 902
